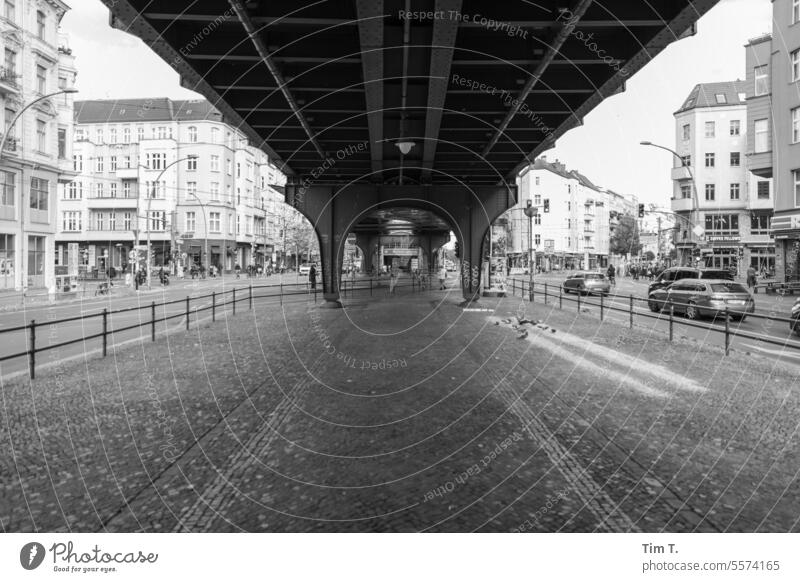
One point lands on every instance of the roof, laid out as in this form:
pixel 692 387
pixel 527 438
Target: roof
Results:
pixel 706 95
pixel 144 110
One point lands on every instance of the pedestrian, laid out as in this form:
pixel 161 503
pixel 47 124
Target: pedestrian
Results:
pixel 442 277
pixel 237 269
pixel 751 277
pixel 312 277
pixel 392 280
pixel 611 272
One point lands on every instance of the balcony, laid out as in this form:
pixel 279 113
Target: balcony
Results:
pixel 9 83
pixel 681 204
pixel 681 173
pixel 760 164
pixel 109 202
pixel 127 173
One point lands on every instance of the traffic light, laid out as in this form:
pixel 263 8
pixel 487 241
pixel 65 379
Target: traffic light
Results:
pixel 458 250
pixel 547 205
pixel 641 210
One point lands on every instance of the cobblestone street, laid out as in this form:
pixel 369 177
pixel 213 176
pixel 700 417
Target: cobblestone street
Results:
pixel 404 413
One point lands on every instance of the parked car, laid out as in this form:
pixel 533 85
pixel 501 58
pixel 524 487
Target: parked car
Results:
pixel 585 282
pixel 304 270
pixel 672 274
pixel 704 297
pixel 795 317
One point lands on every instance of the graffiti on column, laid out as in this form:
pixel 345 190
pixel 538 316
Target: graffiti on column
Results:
pixel 793 261
pixel 470 275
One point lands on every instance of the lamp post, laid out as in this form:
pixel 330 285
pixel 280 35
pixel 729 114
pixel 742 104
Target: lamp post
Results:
pixel 205 224
pixel 149 202
pixel 697 230
pixel 530 212
pixel 22 267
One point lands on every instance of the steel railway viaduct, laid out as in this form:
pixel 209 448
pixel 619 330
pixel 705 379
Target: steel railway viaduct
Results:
pixel 405 114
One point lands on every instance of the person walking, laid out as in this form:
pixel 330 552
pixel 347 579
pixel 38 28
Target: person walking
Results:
pixel 751 277
pixel 312 277
pixel 611 273
pixel 442 277
pixel 392 280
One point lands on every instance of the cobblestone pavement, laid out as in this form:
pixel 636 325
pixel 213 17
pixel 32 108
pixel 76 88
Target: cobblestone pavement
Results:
pixel 404 413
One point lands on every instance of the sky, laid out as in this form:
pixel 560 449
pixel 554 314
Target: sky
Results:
pixel 112 64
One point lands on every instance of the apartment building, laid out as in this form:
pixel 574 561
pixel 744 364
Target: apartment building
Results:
pixel 172 173
pixel 572 228
pixel 773 109
pixel 37 139
pixel 722 208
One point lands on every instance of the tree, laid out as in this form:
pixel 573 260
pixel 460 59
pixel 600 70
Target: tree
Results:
pixel 649 256
pixel 626 237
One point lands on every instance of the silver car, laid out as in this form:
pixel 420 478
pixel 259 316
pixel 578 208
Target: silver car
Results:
pixel 696 298
pixel 583 282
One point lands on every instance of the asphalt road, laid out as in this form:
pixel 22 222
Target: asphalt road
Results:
pixel 128 310
pixel 786 346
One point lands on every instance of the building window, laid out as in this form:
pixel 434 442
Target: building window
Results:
pixel 99 135
pixel 711 190
pixel 40 24
pixel 10 64
pixel 71 221
pixel 98 165
pixel 537 200
pixel 40 190
pixel 98 190
pixel 214 191
pixel 721 98
pixel 156 189
pixel 762 188
pixel 710 129
pixel 112 189
pixel 191 189
pixel 139 133
pixel 238 169
pixel 229 166
pixel 796 125
pixel 795 11
pixel 761 128
pixel 686 191
pixel 214 222
pixel 41 136
pixel 722 224
pixel 687 132
pixel 686 161
pixel 112 220
pixel 192 130
pixel 77 163
pixel 190 222
pixel 537 219
pixel 238 224
pixel 7 196
pixel 126 221
pixel 762 80
pixel 214 135
pixel 795 56
pixel 62 143
pixel 759 223
pixel 735 187
pixel 126 135
pixel 230 223
pixel 735 127
pixel 796 182
pixel 215 163
pixel 10 10
pixel 710 160
pixel 191 164
pixel 126 189
pixel 36 255
pixel 74 191
pixel 736 159
pixel 537 239
pixel 158 220
pixel 113 163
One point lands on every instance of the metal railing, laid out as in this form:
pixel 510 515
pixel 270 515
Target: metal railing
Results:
pixel 191 307
pixel 665 313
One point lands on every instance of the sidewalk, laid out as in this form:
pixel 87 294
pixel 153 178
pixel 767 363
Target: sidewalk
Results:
pixel 404 413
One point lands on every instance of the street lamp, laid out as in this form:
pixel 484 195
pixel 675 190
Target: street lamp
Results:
pixel 530 212
pixel 149 202
pixel 205 224
pixel 697 230
pixel 22 267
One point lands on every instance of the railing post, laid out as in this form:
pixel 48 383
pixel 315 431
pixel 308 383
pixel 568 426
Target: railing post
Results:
pixel 727 332
pixel 579 300
pixel 213 306
pixel 152 321
pixel 250 297
pixel 234 300
pixel 602 306
pixel 671 319
pixel 630 323
pixel 105 331
pixel 370 288
pixel 187 313
pixel 545 293
pixel 32 350
pixel 560 296
pixel 281 292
